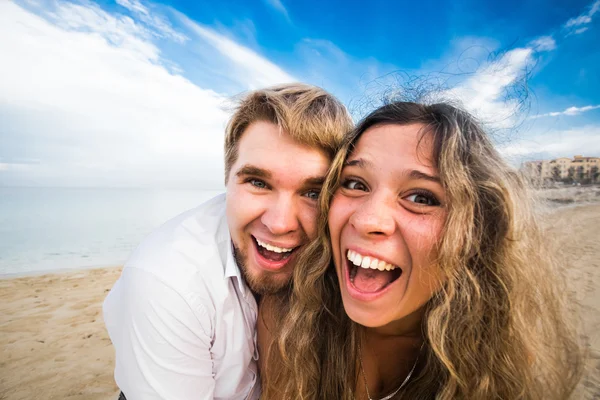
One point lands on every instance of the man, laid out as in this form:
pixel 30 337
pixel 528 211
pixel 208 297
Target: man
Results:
pixel 182 315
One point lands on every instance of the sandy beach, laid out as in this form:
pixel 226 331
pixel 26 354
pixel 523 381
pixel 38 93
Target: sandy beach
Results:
pixel 53 341
pixel 575 229
pixel 54 345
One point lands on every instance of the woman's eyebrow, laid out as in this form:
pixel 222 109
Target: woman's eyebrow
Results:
pixel 413 174
pixel 416 174
pixel 358 162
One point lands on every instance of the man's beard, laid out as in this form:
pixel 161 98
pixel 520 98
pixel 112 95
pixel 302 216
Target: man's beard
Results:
pixel 259 285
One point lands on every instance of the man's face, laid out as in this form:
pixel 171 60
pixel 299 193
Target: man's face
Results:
pixel 272 195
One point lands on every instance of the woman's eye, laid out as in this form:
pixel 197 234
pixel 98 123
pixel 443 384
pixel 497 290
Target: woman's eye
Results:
pixel 257 183
pixel 423 199
pixel 313 194
pixel 353 184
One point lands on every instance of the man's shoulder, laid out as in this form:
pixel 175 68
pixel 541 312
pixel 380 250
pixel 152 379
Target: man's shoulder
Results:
pixel 191 246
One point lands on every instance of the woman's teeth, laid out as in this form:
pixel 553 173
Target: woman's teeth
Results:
pixel 273 248
pixel 368 262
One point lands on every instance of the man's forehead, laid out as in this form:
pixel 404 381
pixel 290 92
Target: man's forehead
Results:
pixel 267 152
pixel 264 136
pixel 269 156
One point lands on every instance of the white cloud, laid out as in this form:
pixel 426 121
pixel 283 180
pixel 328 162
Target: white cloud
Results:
pixel 247 66
pixel 485 92
pixel 594 8
pixel 583 19
pixel 473 74
pixel 543 43
pixel 134 5
pixel 160 26
pixel 552 144
pixel 88 98
pixel 568 111
pixel 487 83
pixel 278 5
pixel 118 30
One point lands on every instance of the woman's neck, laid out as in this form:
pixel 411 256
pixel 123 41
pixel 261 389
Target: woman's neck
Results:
pixel 388 354
pixel 409 326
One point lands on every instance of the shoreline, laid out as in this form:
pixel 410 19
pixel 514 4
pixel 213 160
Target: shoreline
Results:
pixel 38 273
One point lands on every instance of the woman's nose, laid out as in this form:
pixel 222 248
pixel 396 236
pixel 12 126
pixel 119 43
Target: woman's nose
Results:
pixel 374 217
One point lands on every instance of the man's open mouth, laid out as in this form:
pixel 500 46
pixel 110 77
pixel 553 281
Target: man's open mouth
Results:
pixel 369 274
pixel 271 252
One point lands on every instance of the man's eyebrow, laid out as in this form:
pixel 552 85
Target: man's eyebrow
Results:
pixel 253 170
pixel 415 174
pixel 314 181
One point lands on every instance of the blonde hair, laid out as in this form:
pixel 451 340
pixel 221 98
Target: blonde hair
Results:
pixel 309 114
pixel 497 330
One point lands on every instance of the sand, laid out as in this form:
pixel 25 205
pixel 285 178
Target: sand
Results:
pixel 577 230
pixel 563 195
pixel 54 344
pixel 52 337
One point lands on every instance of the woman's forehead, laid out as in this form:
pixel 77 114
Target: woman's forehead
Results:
pixel 387 143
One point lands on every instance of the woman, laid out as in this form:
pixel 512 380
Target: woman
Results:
pixel 429 278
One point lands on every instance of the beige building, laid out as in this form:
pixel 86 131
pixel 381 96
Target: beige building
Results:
pixel 578 168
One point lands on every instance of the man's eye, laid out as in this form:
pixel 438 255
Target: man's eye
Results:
pixel 353 184
pixel 258 183
pixel 424 199
pixel 313 194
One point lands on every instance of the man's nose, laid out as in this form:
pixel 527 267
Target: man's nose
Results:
pixel 375 217
pixel 281 217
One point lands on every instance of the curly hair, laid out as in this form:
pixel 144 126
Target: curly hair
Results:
pixel 498 328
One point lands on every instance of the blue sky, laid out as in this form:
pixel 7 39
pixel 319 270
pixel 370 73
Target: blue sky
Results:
pixel 136 93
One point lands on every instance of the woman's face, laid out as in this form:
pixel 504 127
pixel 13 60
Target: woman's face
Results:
pixel 385 222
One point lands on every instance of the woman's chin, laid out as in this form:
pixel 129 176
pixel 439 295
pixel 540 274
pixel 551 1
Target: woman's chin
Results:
pixel 363 316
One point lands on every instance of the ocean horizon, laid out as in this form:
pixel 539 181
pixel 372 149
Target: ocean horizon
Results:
pixel 45 230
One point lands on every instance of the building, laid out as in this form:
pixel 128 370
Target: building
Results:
pixel 577 169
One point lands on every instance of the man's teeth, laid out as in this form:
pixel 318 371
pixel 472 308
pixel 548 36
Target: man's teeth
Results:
pixel 368 262
pixel 273 248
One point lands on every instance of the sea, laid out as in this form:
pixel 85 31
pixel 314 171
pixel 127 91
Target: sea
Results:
pixel 53 229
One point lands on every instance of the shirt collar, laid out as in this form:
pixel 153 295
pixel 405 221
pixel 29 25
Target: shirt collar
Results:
pixel 232 270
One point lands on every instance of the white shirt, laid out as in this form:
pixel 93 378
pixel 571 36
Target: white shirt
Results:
pixel 181 318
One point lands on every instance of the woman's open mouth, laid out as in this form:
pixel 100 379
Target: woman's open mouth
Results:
pixel 370 275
